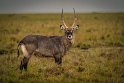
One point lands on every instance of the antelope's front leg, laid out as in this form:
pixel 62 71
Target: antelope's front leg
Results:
pixel 58 59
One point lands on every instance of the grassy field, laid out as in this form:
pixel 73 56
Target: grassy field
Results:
pixel 97 55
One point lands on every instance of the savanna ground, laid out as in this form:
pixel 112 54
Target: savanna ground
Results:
pixel 97 55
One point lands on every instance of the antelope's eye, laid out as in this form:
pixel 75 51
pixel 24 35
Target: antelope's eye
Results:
pixel 67 31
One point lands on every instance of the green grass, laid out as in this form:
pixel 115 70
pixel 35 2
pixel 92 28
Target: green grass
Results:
pixel 96 56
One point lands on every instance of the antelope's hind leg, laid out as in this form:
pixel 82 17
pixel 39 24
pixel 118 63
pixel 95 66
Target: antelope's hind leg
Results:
pixel 24 63
pixel 25 60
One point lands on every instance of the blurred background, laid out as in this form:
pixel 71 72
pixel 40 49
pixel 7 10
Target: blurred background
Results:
pixel 55 6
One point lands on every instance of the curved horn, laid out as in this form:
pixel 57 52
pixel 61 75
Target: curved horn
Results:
pixel 63 22
pixel 75 18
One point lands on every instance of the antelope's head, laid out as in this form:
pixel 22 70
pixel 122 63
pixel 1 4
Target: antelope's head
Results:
pixel 69 31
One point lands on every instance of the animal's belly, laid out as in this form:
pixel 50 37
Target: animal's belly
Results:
pixel 43 52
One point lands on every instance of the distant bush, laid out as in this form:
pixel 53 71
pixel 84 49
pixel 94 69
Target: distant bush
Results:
pixel 3 51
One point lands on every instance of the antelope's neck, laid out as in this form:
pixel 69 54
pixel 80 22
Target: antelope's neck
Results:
pixel 67 43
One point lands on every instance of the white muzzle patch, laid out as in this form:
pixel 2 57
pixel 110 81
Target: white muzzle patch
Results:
pixel 69 37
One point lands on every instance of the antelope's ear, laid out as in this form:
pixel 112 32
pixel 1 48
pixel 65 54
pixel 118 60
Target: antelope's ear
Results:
pixel 75 28
pixel 62 27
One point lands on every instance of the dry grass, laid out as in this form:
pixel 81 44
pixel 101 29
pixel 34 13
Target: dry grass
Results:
pixel 97 55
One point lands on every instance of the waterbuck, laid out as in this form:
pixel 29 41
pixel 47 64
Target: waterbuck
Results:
pixel 49 46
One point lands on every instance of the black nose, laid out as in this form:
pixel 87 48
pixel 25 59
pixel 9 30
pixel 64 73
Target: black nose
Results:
pixel 69 36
